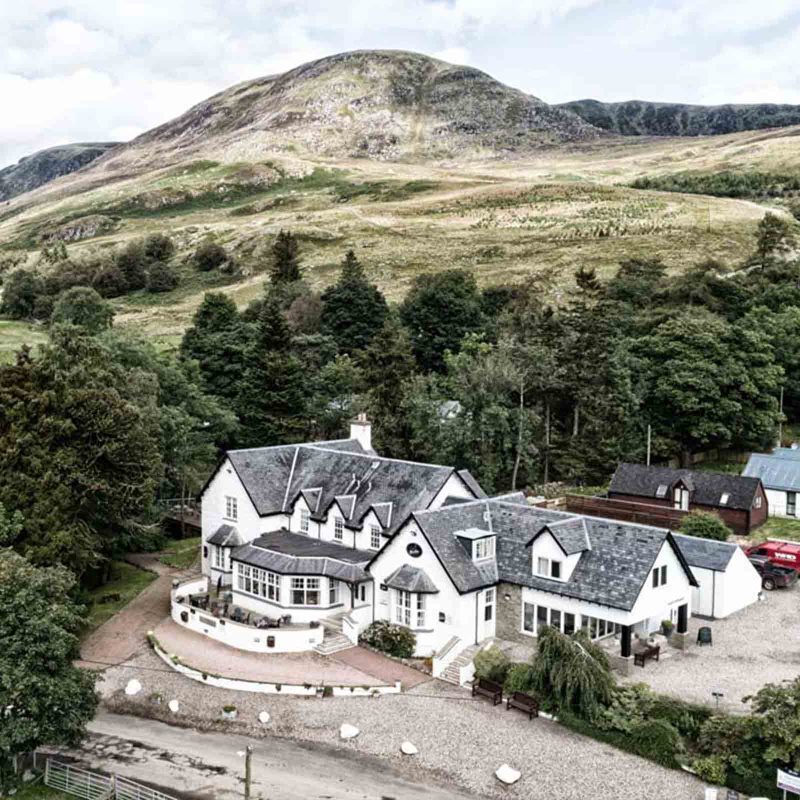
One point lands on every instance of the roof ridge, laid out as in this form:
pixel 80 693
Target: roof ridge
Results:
pixel 375 456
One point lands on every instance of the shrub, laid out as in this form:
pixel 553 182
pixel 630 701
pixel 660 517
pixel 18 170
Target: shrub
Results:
pixel 518 678
pixel 657 740
pixel 83 306
pixel 110 281
pixel 20 290
pixel 492 664
pixel 208 256
pixel 395 640
pixel 132 264
pixel 158 247
pixel 161 277
pixel 710 769
pixel 705 525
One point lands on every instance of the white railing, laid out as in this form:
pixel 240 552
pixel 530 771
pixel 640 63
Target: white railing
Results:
pixel 445 656
pixel 94 786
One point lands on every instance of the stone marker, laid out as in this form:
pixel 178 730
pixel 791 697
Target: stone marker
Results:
pixel 408 749
pixel 348 731
pixel 507 774
pixel 133 687
pixel 173 706
pixel 263 717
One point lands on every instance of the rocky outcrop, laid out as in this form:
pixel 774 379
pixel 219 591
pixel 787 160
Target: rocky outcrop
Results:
pixel 46 165
pixel 643 118
pixel 81 228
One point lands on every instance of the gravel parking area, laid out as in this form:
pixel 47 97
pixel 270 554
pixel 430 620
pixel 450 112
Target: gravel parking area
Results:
pixel 460 739
pixel 758 645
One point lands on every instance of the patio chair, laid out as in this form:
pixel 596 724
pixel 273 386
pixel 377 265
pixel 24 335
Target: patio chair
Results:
pixel 237 615
pixel 704 636
pixel 286 619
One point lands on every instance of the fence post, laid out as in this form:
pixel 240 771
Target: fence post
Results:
pixel 47 771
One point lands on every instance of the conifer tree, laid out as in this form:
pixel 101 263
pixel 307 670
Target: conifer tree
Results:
pixel 285 259
pixel 354 309
pixel 272 398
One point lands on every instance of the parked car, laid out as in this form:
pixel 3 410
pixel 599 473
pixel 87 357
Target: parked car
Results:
pixel 782 553
pixel 773 576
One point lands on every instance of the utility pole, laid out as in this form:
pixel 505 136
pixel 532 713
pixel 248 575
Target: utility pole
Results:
pixel 780 422
pixel 649 432
pixel 248 755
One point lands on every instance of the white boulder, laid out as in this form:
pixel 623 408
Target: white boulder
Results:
pixel 407 748
pixel 173 706
pixel 348 731
pixel 263 717
pixel 133 687
pixel 507 774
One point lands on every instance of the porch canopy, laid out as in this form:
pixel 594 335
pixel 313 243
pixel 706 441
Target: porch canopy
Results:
pixel 411 579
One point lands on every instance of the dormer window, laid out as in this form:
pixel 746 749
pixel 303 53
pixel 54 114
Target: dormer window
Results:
pixel 305 519
pixel 338 529
pixel 723 501
pixel 662 490
pixel 548 568
pixel 680 498
pixel 483 549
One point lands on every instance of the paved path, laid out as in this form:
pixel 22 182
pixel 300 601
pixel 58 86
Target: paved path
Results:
pixel 116 640
pixel 385 669
pixel 206 766
pixel 207 655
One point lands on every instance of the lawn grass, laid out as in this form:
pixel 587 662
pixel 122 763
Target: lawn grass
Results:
pixel 777 528
pixel 126 582
pixel 14 334
pixel 181 553
pixel 40 792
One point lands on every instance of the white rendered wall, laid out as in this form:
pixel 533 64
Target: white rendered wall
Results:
pixel 739 587
pixel 776 499
pixel 453 487
pixel 547 547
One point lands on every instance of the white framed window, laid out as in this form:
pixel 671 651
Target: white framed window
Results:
pixel 305 591
pixel 260 582
pixel 680 498
pixel 536 617
pixel 402 608
pixel 420 611
pixel 757 502
pixel 338 529
pixel 231 508
pixel 483 549
pixel 659 576
pixel 488 605
pixel 375 537
pixel 305 519
pixel 548 568
pixel 723 501
pixel 218 557
pixel 333 592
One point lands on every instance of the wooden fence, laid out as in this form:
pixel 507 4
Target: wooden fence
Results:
pixel 624 510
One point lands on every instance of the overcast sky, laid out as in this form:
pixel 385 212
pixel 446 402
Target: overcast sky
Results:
pixel 106 70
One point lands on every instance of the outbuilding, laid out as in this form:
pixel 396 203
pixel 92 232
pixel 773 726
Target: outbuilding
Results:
pixel 779 471
pixel 726 580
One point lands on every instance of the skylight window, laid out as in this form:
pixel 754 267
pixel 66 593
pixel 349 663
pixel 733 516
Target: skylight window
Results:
pixel 662 490
pixel 723 501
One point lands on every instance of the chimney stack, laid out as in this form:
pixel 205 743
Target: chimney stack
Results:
pixel 361 429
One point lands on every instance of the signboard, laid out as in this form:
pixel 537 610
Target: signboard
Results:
pixel 414 550
pixel 789 780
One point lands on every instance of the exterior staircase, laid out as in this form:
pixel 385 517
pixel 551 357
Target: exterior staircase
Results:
pixel 452 672
pixel 333 640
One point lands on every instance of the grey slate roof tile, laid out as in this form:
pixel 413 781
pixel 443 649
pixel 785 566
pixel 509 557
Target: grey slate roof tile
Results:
pixel 611 573
pixel 411 579
pixel 707 487
pixel 226 536
pixel 705 553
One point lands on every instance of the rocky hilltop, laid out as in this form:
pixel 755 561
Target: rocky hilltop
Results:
pixel 46 165
pixel 644 118
pixel 386 105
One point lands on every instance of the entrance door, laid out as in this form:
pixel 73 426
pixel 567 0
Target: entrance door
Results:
pixel 486 614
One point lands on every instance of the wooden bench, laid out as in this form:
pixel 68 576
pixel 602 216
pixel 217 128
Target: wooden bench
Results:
pixel 523 702
pixel 488 689
pixel 640 658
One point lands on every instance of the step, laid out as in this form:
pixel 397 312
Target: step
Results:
pixel 452 672
pixel 333 644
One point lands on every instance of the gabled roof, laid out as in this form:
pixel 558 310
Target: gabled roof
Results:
pixel 611 573
pixel 705 553
pixel 777 470
pixel 226 536
pixel 411 579
pixel 571 535
pixel 295 554
pixel 342 472
pixel 707 487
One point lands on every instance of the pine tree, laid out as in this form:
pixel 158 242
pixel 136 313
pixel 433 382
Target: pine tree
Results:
pixel 272 398
pixel 389 367
pixel 285 259
pixel 354 309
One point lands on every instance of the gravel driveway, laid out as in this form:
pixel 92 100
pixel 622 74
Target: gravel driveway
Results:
pixel 460 739
pixel 758 645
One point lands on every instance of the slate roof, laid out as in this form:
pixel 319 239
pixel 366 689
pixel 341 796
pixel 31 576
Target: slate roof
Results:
pixel 274 478
pixel 226 536
pixel 572 535
pixel 611 573
pixel 411 579
pixel 707 487
pixel 705 553
pixel 295 554
pixel 777 470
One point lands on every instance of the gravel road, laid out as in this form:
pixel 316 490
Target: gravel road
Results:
pixel 460 740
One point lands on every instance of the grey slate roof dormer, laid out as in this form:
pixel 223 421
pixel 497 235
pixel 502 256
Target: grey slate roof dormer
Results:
pixel 411 579
pixel 571 535
pixel 226 536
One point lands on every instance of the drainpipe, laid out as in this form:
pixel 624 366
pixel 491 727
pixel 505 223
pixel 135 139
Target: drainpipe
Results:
pixel 713 593
pixel 477 597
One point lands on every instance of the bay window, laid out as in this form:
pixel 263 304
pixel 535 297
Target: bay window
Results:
pixel 409 609
pixel 259 582
pixel 305 591
pixel 218 560
pixel 333 592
